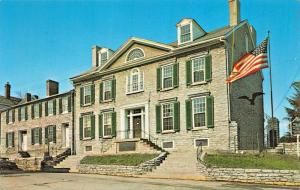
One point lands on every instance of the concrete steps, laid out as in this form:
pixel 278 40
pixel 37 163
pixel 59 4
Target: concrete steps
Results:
pixel 70 162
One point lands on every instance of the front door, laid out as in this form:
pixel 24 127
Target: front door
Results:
pixel 65 135
pixel 24 142
pixel 137 126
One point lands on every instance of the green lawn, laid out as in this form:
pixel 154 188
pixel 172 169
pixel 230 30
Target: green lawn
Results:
pixel 264 161
pixel 124 159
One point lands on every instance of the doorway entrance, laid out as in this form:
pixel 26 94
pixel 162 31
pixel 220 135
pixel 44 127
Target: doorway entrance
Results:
pixel 65 135
pixel 137 126
pixel 135 122
pixel 23 140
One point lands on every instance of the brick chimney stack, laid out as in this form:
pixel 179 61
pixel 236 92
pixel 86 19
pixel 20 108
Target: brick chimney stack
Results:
pixel 95 57
pixel 7 90
pixel 27 97
pixel 52 88
pixel 234 12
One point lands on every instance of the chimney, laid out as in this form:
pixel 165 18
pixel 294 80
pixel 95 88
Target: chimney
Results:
pixel 52 87
pixel 95 57
pixel 28 97
pixel 7 90
pixel 234 12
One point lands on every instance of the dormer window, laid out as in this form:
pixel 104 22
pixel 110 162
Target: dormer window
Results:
pixel 185 33
pixel 135 54
pixel 103 57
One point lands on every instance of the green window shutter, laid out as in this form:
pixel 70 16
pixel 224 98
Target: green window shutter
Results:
pixel 158 118
pixel 26 112
pixel 13 139
pixel 7 117
pixel 54 134
pixel 40 135
pixel 158 79
pixel 40 109
pixel 46 108
pixel 100 126
pixel 46 134
pixel 176 116
pixel 81 96
pixel 101 92
pixel 13 115
pixel 54 107
pixel 93 93
pixel 113 89
pixel 32 111
pixel 188 116
pixel 188 72
pixel 19 114
pixel 69 104
pixel 210 111
pixel 6 140
pixel 208 66
pixel 60 105
pixel 175 75
pixel 93 126
pixel 81 128
pixel 32 136
pixel 114 124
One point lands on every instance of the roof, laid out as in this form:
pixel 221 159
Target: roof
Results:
pixel 9 101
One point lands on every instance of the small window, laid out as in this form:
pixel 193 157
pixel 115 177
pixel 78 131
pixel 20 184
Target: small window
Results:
pixel 167 76
pixel 201 142
pixel 185 33
pixel 88 148
pixel 23 117
pixel 36 110
pixel 65 104
pixel 168 144
pixel 107 90
pixel 104 57
pixel 10 139
pixel 10 116
pixel 135 81
pixel 199 108
pixel 168 116
pixel 87 126
pixel 87 90
pixel 198 69
pixel 50 107
pixel 107 121
pixel 135 54
pixel 36 135
pixel 50 133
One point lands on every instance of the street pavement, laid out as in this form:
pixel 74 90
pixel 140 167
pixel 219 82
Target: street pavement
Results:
pixel 69 181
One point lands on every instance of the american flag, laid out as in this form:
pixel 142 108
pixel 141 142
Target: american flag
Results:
pixel 250 62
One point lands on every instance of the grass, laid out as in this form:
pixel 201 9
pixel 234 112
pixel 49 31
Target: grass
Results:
pixel 124 159
pixel 264 161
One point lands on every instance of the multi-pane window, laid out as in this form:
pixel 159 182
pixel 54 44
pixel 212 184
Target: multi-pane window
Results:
pixel 135 81
pixel 87 126
pixel 50 107
pixel 199 107
pixel 107 90
pixel 168 116
pixel 87 90
pixel 36 135
pixel 198 66
pixel 36 109
pixel 23 116
pixel 10 139
pixel 107 124
pixel 50 133
pixel 167 76
pixel 64 103
pixel 185 33
pixel 103 57
pixel 135 54
pixel 10 116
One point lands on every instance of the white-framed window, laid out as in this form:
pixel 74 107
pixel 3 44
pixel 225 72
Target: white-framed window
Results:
pixel 107 124
pixel 36 135
pixel 36 109
pixel 23 116
pixel 135 81
pixel 10 139
pixel 107 90
pixel 87 95
pixel 198 69
pixel 167 76
pixel 167 116
pixel 134 54
pixel 199 112
pixel 201 142
pixel 65 104
pixel 185 33
pixel 50 133
pixel 103 57
pixel 246 43
pixel 10 116
pixel 50 107
pixel 87 126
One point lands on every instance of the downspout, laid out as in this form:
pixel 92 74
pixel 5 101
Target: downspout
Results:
pixel 73 123
pixel 222 39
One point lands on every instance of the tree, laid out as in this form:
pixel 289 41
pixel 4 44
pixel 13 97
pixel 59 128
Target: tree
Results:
pixel 294 110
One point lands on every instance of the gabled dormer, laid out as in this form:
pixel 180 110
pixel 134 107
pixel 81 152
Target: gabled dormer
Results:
pixel 100 55
pixel 188 30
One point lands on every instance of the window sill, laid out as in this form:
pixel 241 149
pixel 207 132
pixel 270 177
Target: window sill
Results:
pixel 106 101
pixel 168 131
pixel 87 139
pixel 107 137
pixel 199 128
pixel 65 112
pixel 135 92
pixel 10 122
pixel 86 105
pixel 199 83
pixel 166 89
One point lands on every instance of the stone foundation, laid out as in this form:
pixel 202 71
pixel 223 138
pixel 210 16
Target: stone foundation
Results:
pixel 29 164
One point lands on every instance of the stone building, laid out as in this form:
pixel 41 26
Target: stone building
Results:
pixel 174 95
pixel 38 126
pixel 7 100
pixel 272 132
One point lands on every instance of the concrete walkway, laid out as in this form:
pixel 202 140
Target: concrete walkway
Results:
pixel 71 181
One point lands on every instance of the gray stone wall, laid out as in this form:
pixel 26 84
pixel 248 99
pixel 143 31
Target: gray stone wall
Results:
pixel 28 164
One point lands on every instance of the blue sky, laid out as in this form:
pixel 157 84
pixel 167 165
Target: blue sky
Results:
pixel 42 40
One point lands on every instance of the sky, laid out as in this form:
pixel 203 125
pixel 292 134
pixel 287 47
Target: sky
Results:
pixel 42 40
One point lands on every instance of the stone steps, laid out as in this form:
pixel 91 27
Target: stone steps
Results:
pixel 70 162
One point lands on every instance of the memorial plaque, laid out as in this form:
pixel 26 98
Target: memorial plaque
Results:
pixel 127 146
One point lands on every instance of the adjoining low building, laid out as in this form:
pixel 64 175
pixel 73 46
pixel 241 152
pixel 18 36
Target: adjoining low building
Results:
pixel 272 132
pixel 7 100
pixel 35 126
pixel 294 127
